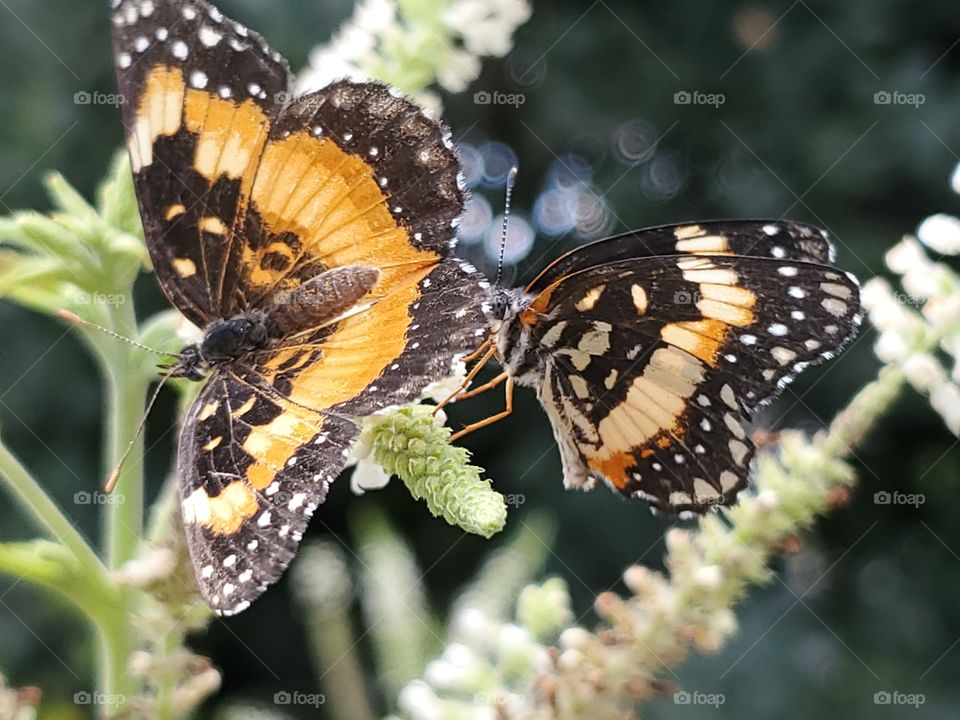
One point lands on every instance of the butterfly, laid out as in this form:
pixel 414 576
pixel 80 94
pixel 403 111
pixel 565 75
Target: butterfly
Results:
pixel 651 350
pixel 310 239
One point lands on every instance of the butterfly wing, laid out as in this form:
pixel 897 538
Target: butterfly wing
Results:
pixel 360 176
pixel 653 365
pixel 200 94
pixel 253 469
pixel 778 239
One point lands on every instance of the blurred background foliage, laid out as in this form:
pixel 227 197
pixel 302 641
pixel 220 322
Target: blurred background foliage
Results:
pixel 867 603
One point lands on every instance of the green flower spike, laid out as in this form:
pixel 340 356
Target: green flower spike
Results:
pixel 409 444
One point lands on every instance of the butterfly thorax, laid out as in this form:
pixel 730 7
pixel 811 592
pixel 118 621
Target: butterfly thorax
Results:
pixel 224 341
pixel 310 306
pixel 517 350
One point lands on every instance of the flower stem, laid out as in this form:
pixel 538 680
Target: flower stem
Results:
pixel 48 515
pixel 126 393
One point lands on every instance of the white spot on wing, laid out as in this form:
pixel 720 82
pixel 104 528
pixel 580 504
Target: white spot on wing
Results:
pixel 209 37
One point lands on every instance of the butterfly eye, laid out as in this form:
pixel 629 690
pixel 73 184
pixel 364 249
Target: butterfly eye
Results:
pixel 500 305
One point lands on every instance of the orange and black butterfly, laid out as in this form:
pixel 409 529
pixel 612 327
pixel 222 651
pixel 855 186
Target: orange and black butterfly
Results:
pixel 651 350
pixel 310 238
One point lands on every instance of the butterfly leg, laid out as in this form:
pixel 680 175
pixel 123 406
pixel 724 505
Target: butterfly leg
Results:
pixel 479 351
pixel 474 371
pixel 493 418
pixel 483 388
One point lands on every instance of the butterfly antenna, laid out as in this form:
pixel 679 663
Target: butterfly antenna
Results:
pixel 77 320
pixel 114 476
pixel 511 181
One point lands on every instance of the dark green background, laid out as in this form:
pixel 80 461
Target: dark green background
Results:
pixel 870 603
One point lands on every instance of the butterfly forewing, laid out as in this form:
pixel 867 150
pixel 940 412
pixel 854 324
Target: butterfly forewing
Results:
pixel 199 93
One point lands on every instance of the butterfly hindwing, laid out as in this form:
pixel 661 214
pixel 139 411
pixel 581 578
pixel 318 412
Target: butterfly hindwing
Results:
pixel 253 469
pixel 651 366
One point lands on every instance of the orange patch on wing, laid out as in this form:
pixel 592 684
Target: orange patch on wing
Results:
pixel 531 315
pixel 332 201
pixel 158 113
pixel 231 135
pixel 273 444
pixel 700 338
pixel 614 468
pixel 223 514
pixel 360 349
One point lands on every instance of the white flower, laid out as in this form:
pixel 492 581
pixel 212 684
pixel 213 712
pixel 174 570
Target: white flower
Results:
pixel 459 71
pixel 944 312
pixel 945 399
pixel 366 476
pixel 923 371
pixel 326 67
pixel 891 348
pixel 768 500
pixel 419 701
pixel 472 625
pixel 487 26
pixel 386 36
pixel 443 389
pixel 941 233
pixel 708 576
pixel 442 674
pixel 367 473
pixel 375 16
pixel 575 638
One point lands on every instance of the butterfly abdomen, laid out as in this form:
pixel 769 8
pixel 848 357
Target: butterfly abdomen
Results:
pixel 320 299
